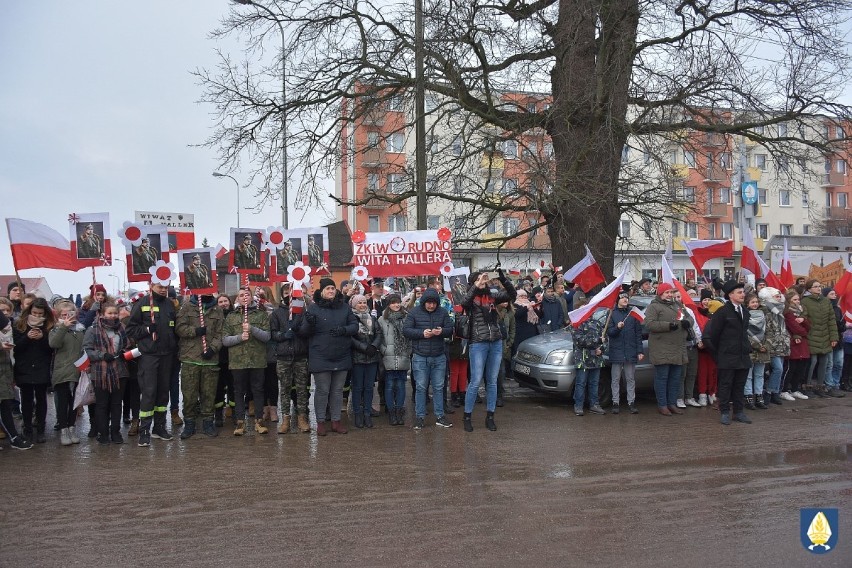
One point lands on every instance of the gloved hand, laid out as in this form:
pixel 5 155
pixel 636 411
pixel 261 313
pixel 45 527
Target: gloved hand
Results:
pixel 337 331
pixel 311 319
pixel 684 324
pixel 289 334
pixel 674 325
pixel 109 357
pixel 199 331
pixel 208 354
pixel 371 350
pixel 96 307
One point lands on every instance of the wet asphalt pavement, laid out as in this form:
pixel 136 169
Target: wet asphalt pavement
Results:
pixel 546 489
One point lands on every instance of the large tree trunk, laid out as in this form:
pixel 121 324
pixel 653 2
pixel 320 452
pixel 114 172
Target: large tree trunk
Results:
pixel 591 76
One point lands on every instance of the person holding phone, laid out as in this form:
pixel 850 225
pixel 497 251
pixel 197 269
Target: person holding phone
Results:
pixel 66 338
pixel 33 355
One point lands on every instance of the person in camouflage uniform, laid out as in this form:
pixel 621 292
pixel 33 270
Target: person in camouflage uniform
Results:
pixel 246 335
pixel 199 366
pixel 589 359
pixel 292 358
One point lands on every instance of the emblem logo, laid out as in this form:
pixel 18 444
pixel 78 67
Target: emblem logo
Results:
pixel 818 529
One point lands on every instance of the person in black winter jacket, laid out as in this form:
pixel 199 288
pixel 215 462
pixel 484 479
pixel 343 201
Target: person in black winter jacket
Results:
pixel 291 352
pixel 625 350
pixel 365 360
pixel 329 325
pixel 486 342
pixel 426 325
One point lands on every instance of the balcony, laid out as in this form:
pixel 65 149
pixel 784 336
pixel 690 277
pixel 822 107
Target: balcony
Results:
pixel 754 173
pixel 714 139
pixel 492 163
pixel 715 175
pixel 374 117
pixel 836 213
pixel 374 158
pixel 716 210
pixel 374 202
pixel 491 244
pixel 679 171
pixel 833 179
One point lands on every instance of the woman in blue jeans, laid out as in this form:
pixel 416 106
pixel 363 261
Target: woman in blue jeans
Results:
pixel 667 327
pixel 486 341
pixel 777 338
pixel 396 356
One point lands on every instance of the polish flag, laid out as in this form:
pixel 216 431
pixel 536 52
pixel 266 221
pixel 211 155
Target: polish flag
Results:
pixel 606 298
pixel 38 246
pixel 515 271
pixel 537 273
pixel 83 363
pixel 220 251
pixel 748 261
pixel 786 269
pixel 587 273
pixel 685 298
pixel 843 287
pixel 638 314
pixel 701 251
pixel 770 277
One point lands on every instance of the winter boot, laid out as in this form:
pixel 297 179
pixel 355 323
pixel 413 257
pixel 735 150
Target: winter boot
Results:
pixel 285 424
pixel 65 437
pixel 188 429
pixel 241 428
pixel 116 437
pixel 749 402
pixel 176 419
pixel 144 437
pixel 259 427
pixel 321 431
pixel 760 401
pixel 489 421
pixel 775 398
pixel 229 411
pixel 368 420
pixel 218 417
pixel 159 431
pixel 27 433
pixel 72 432
pixel 303 423
pixel 209 428
pixel 392 416
pixel 468 424
pixel 359 419
pixel 134 428
pixel 273 413
pixel 336 426
pixel 400 416
pixel 40 437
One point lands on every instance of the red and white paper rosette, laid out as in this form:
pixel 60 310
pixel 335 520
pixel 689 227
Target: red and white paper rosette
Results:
pixel 162 273
pixel 298 273
pixel 360 273
pixel 447 268
pixel 274 239
pixel 131 234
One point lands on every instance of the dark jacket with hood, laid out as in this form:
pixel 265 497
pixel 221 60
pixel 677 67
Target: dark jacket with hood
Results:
pixel 552 314
pixel 625 344
pixel 141 329
pixel 481 307
pixel 363 340
pixel 329 326
pixel 289 345
pixel 418 320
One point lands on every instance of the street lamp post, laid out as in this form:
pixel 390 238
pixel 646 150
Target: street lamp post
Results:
pixel 284 216
pixel 218 175
pixel 123 275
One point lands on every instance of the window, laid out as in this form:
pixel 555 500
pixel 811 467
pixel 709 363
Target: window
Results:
pixel 372 139
pixel 458 225
pixel 784 163
pixel 828 165
pixel 510 149
pixel 828 200
pixel 711 231
pixel 433 221
pixel 761 196
pixel 826 131
pixel 430 103
pixel 490 185
pixel 397 223
pixel 395 103
pixel 760 162
pixel 394 183
pixel 725 160
pixel 431 184
pixel 373 182
pixel 432 143
pixel 806 199
pixel 510 225
pixel 782 129
pixel 373 224
pixel 647 227
pixel 458 185
pixel 841 166
pixel 688 194
pixel 724 195
pixel 675 229
pixel 759 130
pixel 624 229
pixel 625 154
pixel 806 229
pixel 762 231
pixel 491 227
pixel 531 107
pixel 672 157
pixel 841 200
pixel 839 133
pixel 784 197
pixel 646 157
pixel 457 146
pixel 548 150
pixel 510 186
pixel 688 158
pixel 692 230
pixel 396 142
pixel 530 150
pixel 727 230
pixel 786 230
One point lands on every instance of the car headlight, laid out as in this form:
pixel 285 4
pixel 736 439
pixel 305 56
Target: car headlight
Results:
pixel 558 357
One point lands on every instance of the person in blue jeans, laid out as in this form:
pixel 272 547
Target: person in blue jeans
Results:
pixel 486 341
pixel 426 326
pixel 667 333
pixel 588 357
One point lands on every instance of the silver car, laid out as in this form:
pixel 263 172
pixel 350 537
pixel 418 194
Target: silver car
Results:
pixel 545 363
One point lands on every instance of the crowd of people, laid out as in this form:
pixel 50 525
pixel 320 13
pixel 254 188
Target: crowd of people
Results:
pixel 251 361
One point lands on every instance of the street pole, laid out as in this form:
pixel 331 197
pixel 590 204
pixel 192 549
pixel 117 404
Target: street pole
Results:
pixel 218 175
pixel 284 214
pixel 420 118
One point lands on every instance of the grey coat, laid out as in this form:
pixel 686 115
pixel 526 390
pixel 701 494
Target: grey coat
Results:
pixel 666 346
pixel 396 357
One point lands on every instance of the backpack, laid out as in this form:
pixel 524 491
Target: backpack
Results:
pixel 462 326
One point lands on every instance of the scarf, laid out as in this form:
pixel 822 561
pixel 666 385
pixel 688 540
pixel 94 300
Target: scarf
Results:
pixel 365 323
pixel 757 325
pixel 35 321
pixel 400 342
pixel 532 317
pixel 105 375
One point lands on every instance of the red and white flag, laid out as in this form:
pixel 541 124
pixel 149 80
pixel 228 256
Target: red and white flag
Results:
pixel 843 287
pixel 38 246
pixel 515 271
pixel 220 251
pixel 83 363
pixel 701 251
pixel 606 298
pixel 787 277
pixel 587 273
pixel 638 314
pixel 770 277
pixel 537 273
pixel 685 298
pixel 749 261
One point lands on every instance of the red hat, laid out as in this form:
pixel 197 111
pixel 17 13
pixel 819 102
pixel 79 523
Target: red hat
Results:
pixel 95 288
pixel 663 287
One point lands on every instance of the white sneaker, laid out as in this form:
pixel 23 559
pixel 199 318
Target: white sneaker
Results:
pixel 800 396
pixel 787 396
pixel 711 398
pixel 691 402
pixel 702 400
pixel 680 403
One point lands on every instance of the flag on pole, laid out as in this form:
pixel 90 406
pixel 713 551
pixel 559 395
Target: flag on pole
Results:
pixel 515 271
pixel 843 287
pixel 685 298
pixel 770 277
pixel 38 246
pixel 220 251
pixel 587 273
pixel 606 298
pixel 83 363
pixel 701 251
pixel 787 277
pixel 638 314
pixel 748 261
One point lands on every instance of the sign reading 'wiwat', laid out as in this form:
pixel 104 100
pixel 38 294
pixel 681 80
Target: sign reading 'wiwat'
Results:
pixel 406 253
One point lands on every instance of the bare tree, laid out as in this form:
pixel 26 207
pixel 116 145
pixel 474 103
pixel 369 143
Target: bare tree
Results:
pixel 642 74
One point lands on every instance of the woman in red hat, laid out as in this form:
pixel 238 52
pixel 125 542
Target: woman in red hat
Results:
pixel 667 328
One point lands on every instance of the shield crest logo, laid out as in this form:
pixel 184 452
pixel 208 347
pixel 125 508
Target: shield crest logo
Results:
pixel 818 529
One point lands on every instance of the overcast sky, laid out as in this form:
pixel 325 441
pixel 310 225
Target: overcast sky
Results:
pixel 97 113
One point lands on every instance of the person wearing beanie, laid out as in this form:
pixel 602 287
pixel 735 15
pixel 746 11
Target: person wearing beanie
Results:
pixel 834 366
pixel 291 352
pixel 666 347
pixel 92 304
pixel 625 351
pixel 822 337
pixel 726 336
pixel 15 291
pixel 329 325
